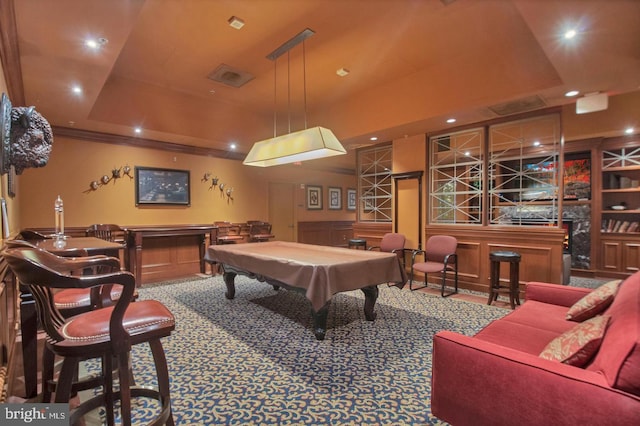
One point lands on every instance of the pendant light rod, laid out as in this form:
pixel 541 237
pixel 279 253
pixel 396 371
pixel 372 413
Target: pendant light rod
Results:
pixel 289 91
pixel 304 81
pixel 287 45
pixel 275 99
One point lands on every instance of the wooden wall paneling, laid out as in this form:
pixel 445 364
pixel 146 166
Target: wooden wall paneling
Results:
pixel 70 231
pixel 540 247
pixel 371 231
pixel 341 234
pixel 325 233
pixel 472 253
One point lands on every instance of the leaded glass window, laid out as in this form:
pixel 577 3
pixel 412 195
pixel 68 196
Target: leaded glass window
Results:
pixel 524 170
pixel 456 185
pixel 375 184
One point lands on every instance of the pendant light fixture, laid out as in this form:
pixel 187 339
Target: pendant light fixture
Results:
pixel 303 145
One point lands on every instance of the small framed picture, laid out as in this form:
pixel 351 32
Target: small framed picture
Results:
pixel 314 197
pixel 351 199
pixel 335 198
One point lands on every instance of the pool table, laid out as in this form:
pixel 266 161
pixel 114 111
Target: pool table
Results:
pixel 317 271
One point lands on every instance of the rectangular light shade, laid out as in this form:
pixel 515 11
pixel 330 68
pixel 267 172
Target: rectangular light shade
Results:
pixel 305 145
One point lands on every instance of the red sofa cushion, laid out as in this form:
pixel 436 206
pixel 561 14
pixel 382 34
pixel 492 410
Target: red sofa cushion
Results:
pixel 619 356
pixel 578 345
pixel 521 337
pixel 541 315
pixel 593 303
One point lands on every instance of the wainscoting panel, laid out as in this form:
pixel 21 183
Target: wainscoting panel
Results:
pixel 167 258
pixel 541 249
pixel 330 233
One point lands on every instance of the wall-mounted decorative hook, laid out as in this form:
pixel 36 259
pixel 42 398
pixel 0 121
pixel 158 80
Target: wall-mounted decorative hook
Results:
pixel 214 182
pixel 115 173
pixel 127 171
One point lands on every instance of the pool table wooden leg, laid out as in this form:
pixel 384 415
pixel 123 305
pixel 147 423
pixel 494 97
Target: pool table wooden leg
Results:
pixel 370 297
pixel 320 321
pixel 231 287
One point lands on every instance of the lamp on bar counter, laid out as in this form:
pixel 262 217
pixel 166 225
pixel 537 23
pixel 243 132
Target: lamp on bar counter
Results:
pixel 303 145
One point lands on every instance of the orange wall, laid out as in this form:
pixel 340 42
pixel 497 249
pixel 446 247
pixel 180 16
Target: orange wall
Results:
pixel 409 155
pixel 73 164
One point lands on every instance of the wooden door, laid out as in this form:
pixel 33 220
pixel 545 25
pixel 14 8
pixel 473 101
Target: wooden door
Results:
pixel 281 211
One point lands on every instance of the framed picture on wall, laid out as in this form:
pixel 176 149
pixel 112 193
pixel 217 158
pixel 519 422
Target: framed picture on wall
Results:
pixel 314 197
pixel 335 198
pixel 162 187
pixel 351 199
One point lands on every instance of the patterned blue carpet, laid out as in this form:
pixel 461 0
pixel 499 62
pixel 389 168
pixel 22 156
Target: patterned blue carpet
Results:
pixel 255 360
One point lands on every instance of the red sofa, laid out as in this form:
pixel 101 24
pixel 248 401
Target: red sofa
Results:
pixel 497 377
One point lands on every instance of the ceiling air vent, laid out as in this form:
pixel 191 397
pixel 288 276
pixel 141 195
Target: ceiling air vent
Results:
pixel 519 105
pixel 230 76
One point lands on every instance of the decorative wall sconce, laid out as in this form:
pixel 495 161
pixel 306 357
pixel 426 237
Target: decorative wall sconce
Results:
pixel 105 179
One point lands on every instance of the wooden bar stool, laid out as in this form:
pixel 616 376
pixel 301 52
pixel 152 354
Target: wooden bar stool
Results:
pixel 105 333
pixel 513 288
pixel 358 242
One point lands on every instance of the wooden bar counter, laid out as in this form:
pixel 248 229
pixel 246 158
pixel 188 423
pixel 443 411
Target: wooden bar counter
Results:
pixel 171 251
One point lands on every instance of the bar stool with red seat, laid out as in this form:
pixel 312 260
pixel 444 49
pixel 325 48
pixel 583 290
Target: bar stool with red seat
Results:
pixel 106 333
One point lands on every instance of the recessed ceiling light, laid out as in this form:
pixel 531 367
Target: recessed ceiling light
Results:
pixel 569 34
pixel 77 90
pixel 451 120
pixel 629 130
pixel 342 72
pixel 571 93
pixel 95 43
pixel 138 130
pixel 235 22
pixel 232 146
pixel 536 143
pixel 467 153
pixel 373 138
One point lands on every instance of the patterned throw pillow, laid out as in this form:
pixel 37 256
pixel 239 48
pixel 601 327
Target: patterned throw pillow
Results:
pixel 593 303
pixel 578 345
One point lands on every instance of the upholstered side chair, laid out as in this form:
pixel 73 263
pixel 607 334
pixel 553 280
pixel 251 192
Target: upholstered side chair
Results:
pixel 438 256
